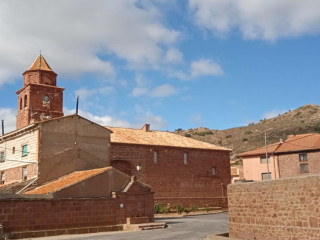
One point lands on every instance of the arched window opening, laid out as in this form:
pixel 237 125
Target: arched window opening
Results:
pixel 25 100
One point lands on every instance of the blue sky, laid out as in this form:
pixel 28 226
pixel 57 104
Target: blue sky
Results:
pixel 173 64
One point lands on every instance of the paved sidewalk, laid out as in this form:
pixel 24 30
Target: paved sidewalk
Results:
pixel 181 228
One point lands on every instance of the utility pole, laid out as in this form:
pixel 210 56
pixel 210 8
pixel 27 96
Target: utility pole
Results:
pixel 265 142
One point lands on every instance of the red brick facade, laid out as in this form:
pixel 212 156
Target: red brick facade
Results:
pixel 26 217
pixel 289 164
pixel 40 98
pixel 16 174
pixel 280 209
pixel 173 180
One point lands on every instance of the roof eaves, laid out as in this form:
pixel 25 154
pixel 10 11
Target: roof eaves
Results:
pixel 158 145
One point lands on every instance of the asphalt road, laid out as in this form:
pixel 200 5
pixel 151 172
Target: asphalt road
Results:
pixel 189 227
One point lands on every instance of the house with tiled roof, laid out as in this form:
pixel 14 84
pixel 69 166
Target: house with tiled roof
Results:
pixel 297 155
pixel 180 170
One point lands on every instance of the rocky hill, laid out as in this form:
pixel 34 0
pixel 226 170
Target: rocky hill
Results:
pixel 305 119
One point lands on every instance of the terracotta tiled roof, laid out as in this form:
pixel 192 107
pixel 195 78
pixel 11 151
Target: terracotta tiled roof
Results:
pixel 40 64
pixel 294 143
pixel 260 151
pixel 300 142
pixel 67 181
pixel 158 138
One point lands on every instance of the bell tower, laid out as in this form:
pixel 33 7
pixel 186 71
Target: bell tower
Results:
pixel 40 98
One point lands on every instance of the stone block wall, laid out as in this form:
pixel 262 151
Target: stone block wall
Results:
pixel 279 209
pixel 173 180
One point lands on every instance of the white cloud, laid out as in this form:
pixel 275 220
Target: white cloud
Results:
pixel 104 120
pixel 72 33
pixel 164 90
pixel 142 116
pixel 273 113
pixel 263 19
pixel 174 56
pixel 205 67
pixel 196 118
pixel 198 68
pixel 85 93
pixel 9 117
pixel 145 116
pixel 138 91
pixel 143 88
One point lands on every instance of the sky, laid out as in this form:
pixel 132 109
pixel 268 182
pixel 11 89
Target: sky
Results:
pixel 170 63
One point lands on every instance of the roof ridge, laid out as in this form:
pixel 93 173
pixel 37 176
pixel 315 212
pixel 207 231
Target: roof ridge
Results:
pixel 299 136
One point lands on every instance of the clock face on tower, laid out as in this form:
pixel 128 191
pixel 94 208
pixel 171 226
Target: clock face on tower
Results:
pixel 46 98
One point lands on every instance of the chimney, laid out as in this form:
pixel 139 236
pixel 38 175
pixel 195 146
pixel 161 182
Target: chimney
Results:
pixel 146 127
pixel 281 141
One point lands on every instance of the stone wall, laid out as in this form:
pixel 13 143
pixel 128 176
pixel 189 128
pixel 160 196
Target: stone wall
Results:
pixel 38 217
pixel 279 209
pixel 173 180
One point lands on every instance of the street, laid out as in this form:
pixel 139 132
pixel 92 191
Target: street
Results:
pixel 189 227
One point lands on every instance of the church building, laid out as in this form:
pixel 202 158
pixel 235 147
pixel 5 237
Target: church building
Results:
pixel 48 145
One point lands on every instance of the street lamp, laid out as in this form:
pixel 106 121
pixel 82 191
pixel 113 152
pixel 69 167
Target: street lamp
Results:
pixel 139 167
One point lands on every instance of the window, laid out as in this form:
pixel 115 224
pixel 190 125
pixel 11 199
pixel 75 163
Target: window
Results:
pixel 155 157
pixel 25 100
pixel 20 103
pixel 24 173
pixel 2 157
pixel 263 159
pixel 13 150
pixel 24 150
pixel 303 157
pixel 266 176
pixel 185 158
pixel 304 168
pixel 214 171
pixel 2 178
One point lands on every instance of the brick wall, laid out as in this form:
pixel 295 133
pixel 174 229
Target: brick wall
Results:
pixel 173 181
pixel 279 209
pixel 290 164
pixel 15 174
pixel 30 215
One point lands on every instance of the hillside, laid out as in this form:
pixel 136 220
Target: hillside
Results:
pixel 305 119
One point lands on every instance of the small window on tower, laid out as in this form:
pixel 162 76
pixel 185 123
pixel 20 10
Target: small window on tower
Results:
pixel 21 104
pixel 25 100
